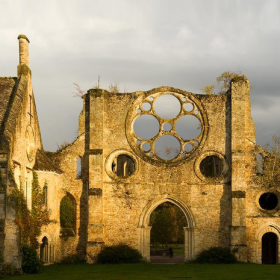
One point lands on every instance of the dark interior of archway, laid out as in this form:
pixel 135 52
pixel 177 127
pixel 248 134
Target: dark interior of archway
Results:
pixel 167 222
pixel 269 248
pixel 268 201
pixel 211 167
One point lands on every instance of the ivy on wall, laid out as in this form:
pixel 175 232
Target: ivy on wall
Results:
pixel 30 221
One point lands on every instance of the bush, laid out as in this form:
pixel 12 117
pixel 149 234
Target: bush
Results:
pixel 9 269
pixel 30 260
pixel 216 255
pixel 119 254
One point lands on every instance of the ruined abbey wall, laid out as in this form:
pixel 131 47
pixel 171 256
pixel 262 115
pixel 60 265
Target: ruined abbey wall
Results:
pixel 134 152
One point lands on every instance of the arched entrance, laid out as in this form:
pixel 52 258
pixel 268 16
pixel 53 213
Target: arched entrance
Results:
pixel 167 223
pixel 44 252
pixel 269 248
pixel 145 228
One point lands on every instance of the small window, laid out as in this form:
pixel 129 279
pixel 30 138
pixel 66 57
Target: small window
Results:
pixel 79 167
pixel 45 195
pixel 268 201
pixel 123 166
pixel 211 167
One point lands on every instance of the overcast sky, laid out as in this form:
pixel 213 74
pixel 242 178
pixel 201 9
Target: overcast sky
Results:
pixel 141 45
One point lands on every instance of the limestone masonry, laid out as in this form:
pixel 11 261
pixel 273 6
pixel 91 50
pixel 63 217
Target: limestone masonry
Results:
pixel 135 151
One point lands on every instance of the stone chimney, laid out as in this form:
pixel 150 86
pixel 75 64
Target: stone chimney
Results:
pixel 23 66
pixel 23 50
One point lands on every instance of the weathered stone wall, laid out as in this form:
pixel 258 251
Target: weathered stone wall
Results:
pixel 59 185
pixel 208 202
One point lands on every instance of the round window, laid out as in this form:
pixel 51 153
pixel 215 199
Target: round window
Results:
pixel 211 167
pixel 166 127
pixel 268 201
pixel 121 164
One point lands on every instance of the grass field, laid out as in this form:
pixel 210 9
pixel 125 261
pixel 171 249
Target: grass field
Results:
pixel 155 272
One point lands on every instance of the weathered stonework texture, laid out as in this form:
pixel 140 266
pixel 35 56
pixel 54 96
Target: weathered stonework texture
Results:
pixel 121 183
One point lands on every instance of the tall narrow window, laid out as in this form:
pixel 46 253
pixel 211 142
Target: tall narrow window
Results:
pixel 79 167
pixel 68 216
pixel 45 195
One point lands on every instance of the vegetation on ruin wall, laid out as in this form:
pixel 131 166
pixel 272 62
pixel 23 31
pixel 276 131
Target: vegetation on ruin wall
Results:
pixel 224 83
pixel 30 221
pixel 268 166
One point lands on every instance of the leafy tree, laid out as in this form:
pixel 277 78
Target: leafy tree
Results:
pixel 223 82
pixel 269 165
pixel 209 89
pixel 167 222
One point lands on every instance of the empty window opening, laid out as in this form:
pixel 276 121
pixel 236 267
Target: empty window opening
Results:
pixel 211 167
pixel 268 201
pixel 79 167
pixel 68 216
pixel 123 166
pixel 259 164
pixel 269 248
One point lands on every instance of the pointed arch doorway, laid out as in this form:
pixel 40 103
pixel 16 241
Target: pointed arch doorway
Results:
pixel 145 228
pixel 269 248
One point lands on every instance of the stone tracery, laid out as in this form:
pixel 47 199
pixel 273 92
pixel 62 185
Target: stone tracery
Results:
pixel 166 127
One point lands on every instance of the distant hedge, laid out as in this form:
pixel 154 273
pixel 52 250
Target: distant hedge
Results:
pixel 119 254
pixel 216 255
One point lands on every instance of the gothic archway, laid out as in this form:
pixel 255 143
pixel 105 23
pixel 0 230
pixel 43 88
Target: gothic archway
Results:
pixel 269 248
pixel 44 250
pixel 145 229
pixel 268 235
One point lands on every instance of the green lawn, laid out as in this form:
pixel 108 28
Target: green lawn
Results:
pixel 155 271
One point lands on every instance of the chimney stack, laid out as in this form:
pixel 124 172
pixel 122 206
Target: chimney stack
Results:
pixel 23 50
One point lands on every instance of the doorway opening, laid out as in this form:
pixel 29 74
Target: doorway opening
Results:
pixel 44 252
pixel 269 248
pixel 167 237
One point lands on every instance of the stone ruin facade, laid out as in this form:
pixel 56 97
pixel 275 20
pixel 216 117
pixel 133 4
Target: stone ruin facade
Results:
pixel 134 152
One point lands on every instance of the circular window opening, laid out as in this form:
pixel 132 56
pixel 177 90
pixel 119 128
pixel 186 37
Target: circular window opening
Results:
pixel 188 127
pixel 167 147
pixel 211 167
pixel 146 106
pixel 188 107
pixel 146 147
pixel 146 126
pixel 167 126
pixel 167 106
pixel 268 201
pixel 123 166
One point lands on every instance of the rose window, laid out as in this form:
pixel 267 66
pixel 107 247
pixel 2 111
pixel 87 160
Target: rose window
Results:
pixel 166 127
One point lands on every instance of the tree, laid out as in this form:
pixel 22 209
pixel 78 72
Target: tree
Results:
pixel 269 164
pixel 167 222
pixel 209 89
pixel 223 83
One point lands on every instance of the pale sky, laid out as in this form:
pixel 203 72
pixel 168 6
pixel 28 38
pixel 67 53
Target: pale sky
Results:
pixel 141 44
